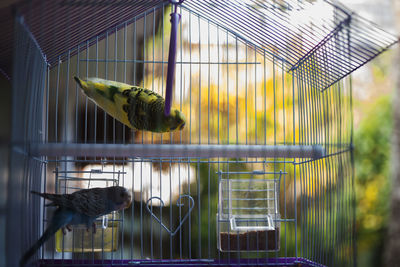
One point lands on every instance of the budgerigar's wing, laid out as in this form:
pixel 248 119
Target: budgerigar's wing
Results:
pixel 91 202
pixel 144 108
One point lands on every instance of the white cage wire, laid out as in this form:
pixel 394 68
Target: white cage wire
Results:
pixel 249 112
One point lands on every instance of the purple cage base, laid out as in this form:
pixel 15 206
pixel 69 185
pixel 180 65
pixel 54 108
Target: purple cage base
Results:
pixel 290 261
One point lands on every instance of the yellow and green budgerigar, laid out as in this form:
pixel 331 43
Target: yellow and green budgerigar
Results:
pixel 136 107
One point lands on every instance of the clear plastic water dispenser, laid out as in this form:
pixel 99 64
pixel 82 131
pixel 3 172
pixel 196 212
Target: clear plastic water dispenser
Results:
pixel 248 215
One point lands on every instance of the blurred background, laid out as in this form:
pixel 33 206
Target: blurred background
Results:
pixel 374 91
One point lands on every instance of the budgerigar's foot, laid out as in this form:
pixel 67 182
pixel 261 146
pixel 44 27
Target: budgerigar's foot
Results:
pixel 68 227
pixel 63 230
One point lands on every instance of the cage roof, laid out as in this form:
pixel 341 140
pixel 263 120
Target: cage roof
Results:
pixel 318 40
pixel 325 40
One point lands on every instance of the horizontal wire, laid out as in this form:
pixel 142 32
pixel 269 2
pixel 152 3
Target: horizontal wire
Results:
pixel 166 62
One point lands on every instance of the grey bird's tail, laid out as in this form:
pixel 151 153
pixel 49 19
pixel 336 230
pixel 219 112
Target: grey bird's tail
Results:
pixel 59 220
pixel 44 195
pixel 48 196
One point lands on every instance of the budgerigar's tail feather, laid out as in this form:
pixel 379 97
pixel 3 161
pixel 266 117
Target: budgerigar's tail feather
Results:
pixel 59 220
pixel 44 195
pixel 47 234
pixel 78 81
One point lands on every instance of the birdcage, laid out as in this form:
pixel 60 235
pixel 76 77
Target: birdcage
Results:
pixel 261 174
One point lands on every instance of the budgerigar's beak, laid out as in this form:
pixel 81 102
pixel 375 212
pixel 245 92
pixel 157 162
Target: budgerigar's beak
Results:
pixel 127 202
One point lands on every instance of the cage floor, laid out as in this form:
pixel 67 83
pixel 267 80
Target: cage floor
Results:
pixel 282 262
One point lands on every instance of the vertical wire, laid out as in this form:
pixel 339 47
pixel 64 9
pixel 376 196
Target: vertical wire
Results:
pixel 325 164
pixel 237 91
pixel 275 87
pixel 208 128
pixel 218 139
pixel 141 163
pixel 66 132
pixel 309 166
pixel 198 162
pixel 218 74
pixel 323 175
pixel 305 167
pixel 56 190
pixel 321 195
pixel 353 193
pixel 43 202
pixel 57 89
pixel 56 132
pixel 246 94
pixel 265 99
pixel 106 76
pixel 265 124
pixel 46 141
pixel 125 34
pixel 113 123
pixel 152 135
pixel 115 78
pixel 123 213
pixel 97 75
pixel 133 161
pixel 318 187
pixel 294 166
pixel 302 196
pixel 328 180
pixel 274 82
pixel 255 95
pixel 301 167
pixel 190 77
pixel 180 137
pixel 76 95
pixel 325 199
pixel 340 168
pixel 124 141
pixel 334 164
pixel 227 98
pixel 86 98
pixel 284 159
pixel 151 168
pixel 106 61
pixel 331 178
pixel 95 121
pixel 171 134
pixel 66 115
pixel 190 125
pixel 76 121
pixel 227 85
pixel 246 112
pixel 320 210
pixel 342 162
pixel 66 104
pixel 236 115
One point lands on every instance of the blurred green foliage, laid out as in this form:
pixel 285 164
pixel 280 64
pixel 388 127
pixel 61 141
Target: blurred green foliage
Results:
pixel 372 163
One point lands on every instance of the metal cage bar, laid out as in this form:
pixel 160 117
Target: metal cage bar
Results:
pixel 176 151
